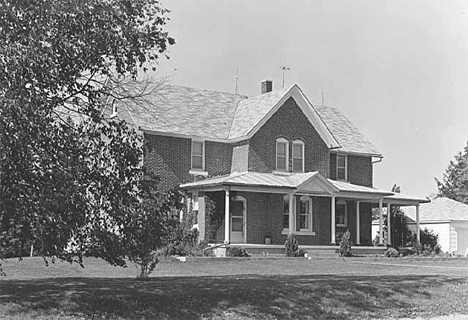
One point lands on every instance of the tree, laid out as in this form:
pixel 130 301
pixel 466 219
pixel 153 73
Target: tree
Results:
pixel 70 175
pixel 149 227
pixel 400 232
pixel 454 184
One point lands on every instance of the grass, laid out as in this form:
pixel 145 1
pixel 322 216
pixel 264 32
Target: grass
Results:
pixel 293 288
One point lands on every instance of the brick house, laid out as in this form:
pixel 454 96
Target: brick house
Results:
pixel 259 168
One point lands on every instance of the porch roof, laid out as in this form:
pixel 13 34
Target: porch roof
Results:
pixel 349 187
pixel 254 179
pixel 304 183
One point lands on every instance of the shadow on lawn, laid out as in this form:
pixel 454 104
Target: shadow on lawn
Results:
pixel 334 297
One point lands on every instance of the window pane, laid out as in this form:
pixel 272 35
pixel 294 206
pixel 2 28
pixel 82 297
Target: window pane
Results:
pixel 340 212
pixel 297 165
pixel 281 149
pixel 297 150
pixel 286 221
pixel 341 174
pixel 304 222
pixel 195 217
pixel 341 160
pixel 286 204
pixel 304 207
pixel 197 148
pixel 281 163
pixel 195 202
pixel 237 224
pixel 197 162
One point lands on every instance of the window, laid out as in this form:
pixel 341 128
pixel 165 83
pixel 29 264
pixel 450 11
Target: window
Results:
pixel 282 154
pixel 286 212
pixel 298 156
pixel 175 214
pixel 341 214
pixel 305 214
pixel 198 155
pixel 195 208
pixel 341 172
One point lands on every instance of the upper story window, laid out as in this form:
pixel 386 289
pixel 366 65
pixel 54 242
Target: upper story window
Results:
pixel 341 167
pixel 298 156
pixel 282 154
pixel 198 155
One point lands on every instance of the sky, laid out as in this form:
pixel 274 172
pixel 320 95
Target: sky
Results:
pixel 397 69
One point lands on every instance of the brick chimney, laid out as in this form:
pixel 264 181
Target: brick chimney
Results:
pixel 267 86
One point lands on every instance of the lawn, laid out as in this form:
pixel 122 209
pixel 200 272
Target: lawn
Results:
pixel 351 288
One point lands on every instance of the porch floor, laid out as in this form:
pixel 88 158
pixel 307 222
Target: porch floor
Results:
pixel 312 251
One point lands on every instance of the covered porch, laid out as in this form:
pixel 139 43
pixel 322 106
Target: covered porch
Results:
pixel 264 208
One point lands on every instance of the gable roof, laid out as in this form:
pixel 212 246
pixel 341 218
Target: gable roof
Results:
pixel 439 209
pixel 226 117
pixel 348 136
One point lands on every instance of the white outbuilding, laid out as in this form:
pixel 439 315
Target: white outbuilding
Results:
pixel 445 217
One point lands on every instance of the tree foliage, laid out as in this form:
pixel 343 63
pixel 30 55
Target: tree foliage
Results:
pixel 454 184
pixel 70 175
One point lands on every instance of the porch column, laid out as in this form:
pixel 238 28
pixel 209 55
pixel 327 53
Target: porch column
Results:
pixel 227 223
pixel 292 226
pixel 418 232
pixel 380 222
pixel 358 223
pixel 333 220
pixel 389 218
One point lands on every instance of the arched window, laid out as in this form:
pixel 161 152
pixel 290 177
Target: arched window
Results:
pixel 298 156
pixel 282 154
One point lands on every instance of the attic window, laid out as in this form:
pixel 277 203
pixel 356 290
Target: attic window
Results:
pixel 341 167
pixel 282 154
pixel 198 155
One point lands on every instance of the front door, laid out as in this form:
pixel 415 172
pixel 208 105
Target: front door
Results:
pixel 238 210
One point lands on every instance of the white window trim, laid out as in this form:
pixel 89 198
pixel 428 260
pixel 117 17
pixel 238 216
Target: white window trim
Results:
pixel 341 202
pixel 304 232
pixel 345 167
pixel 197 170
pixel 282 140
pixel 301 143
pixel 309 227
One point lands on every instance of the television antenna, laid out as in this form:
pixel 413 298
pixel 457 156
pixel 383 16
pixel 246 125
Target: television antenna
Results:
pixel 284 68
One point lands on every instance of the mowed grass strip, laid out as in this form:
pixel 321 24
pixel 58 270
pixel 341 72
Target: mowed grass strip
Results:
pixel 236 289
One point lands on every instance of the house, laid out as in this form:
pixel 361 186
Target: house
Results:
pixel 259 168
pixel 445 217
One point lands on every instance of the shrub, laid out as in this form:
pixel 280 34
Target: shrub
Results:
pixel 182 240
pixel 291 246
pixel 238 252
pixel 345 244
pixel 392 253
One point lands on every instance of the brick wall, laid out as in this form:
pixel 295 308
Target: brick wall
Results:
pixel 360 170
pixel 240 157
pixel 170 159
pixel 288 122
pixel 265 217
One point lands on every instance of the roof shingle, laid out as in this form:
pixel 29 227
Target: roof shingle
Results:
pixel 225 116
pixel 348 136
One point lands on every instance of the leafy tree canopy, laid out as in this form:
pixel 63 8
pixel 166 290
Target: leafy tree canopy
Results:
pixel 454 184
pixel 70 175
